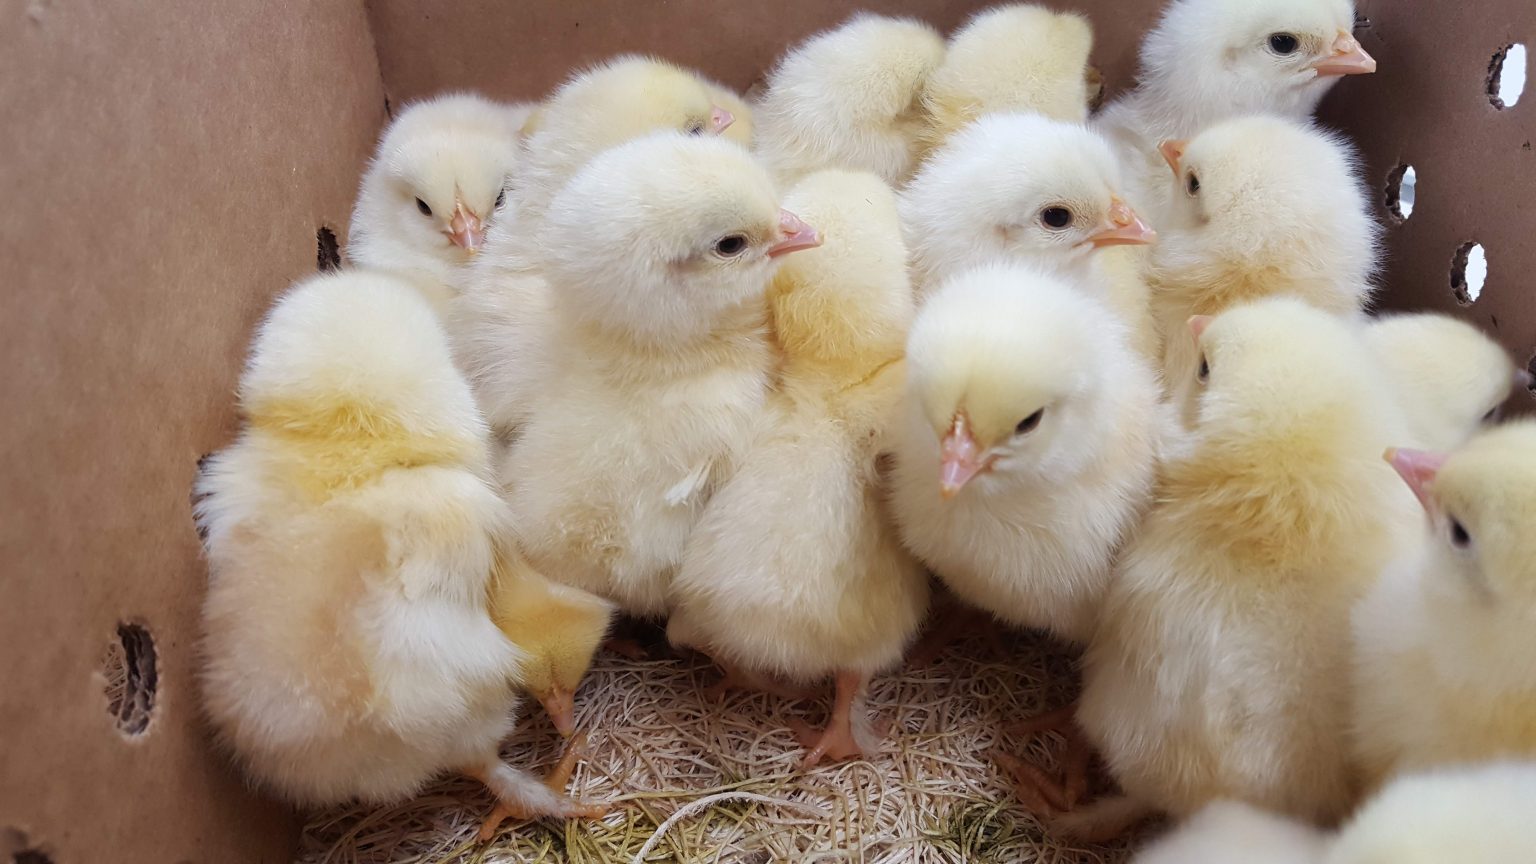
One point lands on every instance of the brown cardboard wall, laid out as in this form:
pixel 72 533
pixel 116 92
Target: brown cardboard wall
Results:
pixel 165 167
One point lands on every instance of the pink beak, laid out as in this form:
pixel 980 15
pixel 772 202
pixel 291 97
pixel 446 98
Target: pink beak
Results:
pixel 720 119
pixel 1125 228
pixel 1173 154
pixel 1417 468
pixel 1348 58
pixel 1197 325
pixel 465 229
pixel 794 235
pixel 561 707
pixel 959 459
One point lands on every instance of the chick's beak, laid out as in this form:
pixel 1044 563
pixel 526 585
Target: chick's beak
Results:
pixel 465 229
pixel 959 458
pixel 794 235
pixel 720 119
pixel 1417 468
pixel 1523 379
pixel 561 706
pixel 1347 58
pixel 1173 154
pixel 1124 228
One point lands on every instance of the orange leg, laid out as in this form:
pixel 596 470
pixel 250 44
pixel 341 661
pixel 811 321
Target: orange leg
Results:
pixel 734 677
pixel 953 623
pixel 629 649
pixel 848 734
pixel 558 777
pixel 1076 756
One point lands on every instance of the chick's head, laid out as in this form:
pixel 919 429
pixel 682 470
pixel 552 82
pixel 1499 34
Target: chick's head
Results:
pixel 1481 503
pixel 1223 57
pixel 1454 377
pixel 662 237
pixel 1007 366
pixel 558 628
pixel 438 177
pixel 1269 194
pixel 625 98
pixel 1018 187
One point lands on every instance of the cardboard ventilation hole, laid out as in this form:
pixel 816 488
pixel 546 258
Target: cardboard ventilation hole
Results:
pixel 129 668
pixel 327 251
pixel 1469 272
pixel 1506 76
pixel 1401 192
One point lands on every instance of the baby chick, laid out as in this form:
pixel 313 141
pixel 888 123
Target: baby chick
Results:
pixel 849 98
pixel 1210 60
pixel 1024 188
pixel 658 254
pixel 1444 641
pixel 616 101
pixel 429 193
pixel 1015 57
pixel 351 536
pixel 1471 815
pixel 793 571
pixel 1026 453
pixel 1218 666
pixel 1264 207
pixel 1451 378
pixel 1229 831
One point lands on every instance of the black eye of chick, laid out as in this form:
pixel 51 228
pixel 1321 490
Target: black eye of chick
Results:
pixel 501 198
pixel 1493 414
pixel 1459 536
pixel 1193 184
pixel 1205 370
pixel 422 206
pixel 1283 43
pixel 730 245
pixel 1029 423
pixel 1056 217
pixel 695 129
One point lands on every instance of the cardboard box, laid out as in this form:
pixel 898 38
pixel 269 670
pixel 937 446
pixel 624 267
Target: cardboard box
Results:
pixel 167 168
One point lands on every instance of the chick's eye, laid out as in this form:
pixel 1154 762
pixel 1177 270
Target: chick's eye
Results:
pixel 1283 43
pixel 730 245
pixel 1205 370
pixel 422 206
pixel 501 198
pixel 1192 184
pixel 1493 414
pixel 1029 423
pixel 694 128
pixel 1056 217
pixel 1459 536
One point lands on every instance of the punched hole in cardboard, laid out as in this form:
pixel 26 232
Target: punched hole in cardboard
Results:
pixel 1506 76
pixel 327 250
pixel 1401 193
pixel 1469 271
pixel 132 678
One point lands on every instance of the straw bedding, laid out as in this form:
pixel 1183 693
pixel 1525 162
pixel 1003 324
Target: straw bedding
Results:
pixel 697 779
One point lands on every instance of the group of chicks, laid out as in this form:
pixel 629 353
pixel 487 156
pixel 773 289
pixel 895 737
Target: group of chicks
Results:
pixel 1110 378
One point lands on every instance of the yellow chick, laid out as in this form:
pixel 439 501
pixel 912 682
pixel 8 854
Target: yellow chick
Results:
pixel 1208 61
pixel 1443 643
pixel 1219 666
pixel 1264 207
pixel 793 571
pixel 1229 832
pixel 429 194
pixel 1014 57
pixel 849 98
pixel 1471 815
pixel 658 254
pixel 1025 456
pixel 1450 377
pixel 351 536
pixel 616 101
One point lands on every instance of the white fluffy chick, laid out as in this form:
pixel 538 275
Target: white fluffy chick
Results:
pixel 1264 207
pixel 1478 814
pixel 1015 57
pixel 849 98
pixel 432 188
pixel 1444 641
pixel 793 571
pixel 658 254
pixel 1211 60
pixel 351 536
pixel 1219 666
pixel 1026 454
pixel 1230 831
pixel 1451 378
pixel 1028 189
